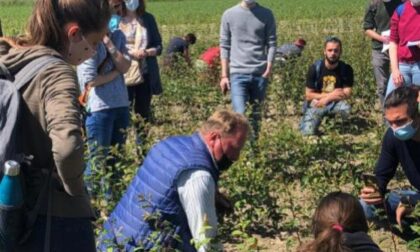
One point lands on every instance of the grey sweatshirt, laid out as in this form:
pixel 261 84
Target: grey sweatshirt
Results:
pixel 248 39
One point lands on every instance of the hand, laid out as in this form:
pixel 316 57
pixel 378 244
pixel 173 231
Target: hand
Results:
pixel 322 102
pixel 400 213
pixel 267 73
pixel 139 54
pixel 338 94
pixel 397 78
pixel 367 194
pixel 224 85
pixel 107 41
pixel 385 39
pixel 223 204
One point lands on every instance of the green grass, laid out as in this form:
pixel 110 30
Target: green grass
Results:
pixel 276 188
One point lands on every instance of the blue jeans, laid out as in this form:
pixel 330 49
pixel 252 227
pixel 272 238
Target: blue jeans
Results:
pixel 411 74
pixel 67 235
pixel 248 88
pixel 104 128
pixel 391 202
pixel 312 117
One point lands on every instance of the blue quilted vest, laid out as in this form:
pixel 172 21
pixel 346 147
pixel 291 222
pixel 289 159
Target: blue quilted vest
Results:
pixel 154 190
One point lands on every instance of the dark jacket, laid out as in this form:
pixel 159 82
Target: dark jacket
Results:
pixel 360 242
pixel 156 183
pixel 154 40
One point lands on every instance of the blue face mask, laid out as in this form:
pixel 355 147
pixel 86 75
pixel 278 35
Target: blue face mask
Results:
pixel 114 23
pixel 132 5
pixel 405 132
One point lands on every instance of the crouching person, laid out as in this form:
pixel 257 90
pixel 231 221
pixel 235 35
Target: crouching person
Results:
pixel 400 146
pixel 177 185
pixel 329 83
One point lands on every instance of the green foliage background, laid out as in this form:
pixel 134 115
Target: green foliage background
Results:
pixel 277 185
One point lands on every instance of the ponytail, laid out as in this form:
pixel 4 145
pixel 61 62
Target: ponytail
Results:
pixel 46 26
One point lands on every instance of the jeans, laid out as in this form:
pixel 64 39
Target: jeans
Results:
pixel 140 97
pixel 380 63
pixel 312 117
pixel 391 202
pixel 411 74
pixel 67 235
pixel 104 128
pixel 248 88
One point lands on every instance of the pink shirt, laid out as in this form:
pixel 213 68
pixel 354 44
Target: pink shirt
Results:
pixel 404 29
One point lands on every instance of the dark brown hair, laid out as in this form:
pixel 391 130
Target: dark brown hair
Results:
pixel 404 95
pixel 337 208
pixel 49 17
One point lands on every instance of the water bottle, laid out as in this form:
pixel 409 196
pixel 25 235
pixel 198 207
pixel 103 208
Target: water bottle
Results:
pixel 11 207
pixel 10 187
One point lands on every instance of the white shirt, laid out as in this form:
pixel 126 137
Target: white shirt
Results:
pixel 197 190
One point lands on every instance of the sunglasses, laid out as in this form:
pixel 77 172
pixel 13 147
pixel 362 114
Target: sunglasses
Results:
pixel 116 6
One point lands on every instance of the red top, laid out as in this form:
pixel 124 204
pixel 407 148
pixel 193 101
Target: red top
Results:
pixel 211 55
pixel 404 29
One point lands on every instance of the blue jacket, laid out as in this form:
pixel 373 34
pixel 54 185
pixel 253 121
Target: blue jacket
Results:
pixel 154 191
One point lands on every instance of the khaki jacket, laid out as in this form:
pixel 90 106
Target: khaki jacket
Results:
pixel 52 134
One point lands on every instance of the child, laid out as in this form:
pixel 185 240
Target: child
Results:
pixel 339 225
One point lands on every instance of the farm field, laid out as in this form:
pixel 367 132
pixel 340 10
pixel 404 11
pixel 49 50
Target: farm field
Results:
pixel 277 183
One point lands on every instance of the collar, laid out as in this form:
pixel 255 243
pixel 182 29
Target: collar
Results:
pixel 208 148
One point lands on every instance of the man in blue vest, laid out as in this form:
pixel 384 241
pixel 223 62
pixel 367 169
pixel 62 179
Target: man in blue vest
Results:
pixel 328 84
pixel 174 191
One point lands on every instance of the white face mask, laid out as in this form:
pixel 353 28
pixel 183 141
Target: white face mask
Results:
pixel 132 5
pixel 415 2
pixel 249 2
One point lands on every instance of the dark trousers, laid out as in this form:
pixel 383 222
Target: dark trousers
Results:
pixel 67 235
pixel 140 97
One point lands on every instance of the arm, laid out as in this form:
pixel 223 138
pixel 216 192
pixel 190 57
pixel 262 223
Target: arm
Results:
pixel 396 75
pixel 122 64
pixel 62 115
pixel 369 25
pixel 186 55
pixel 154 47
pixel 271 39
pixel 197 191
pixel 225 42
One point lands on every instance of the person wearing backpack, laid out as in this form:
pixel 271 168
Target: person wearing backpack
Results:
pixel 328 84
pixel 376 24
pixel 65 33
pixel 404 46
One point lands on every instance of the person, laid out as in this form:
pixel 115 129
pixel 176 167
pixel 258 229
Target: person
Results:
pixel 404 45
pixel 177 184
pixel 376 26
pixel 107 103
pixel 328 84
pixel 400 146
pixel 247 50
pixel 208 65
pixel 179 48
pixel 134 13
pixel 68 30
pixel 290 50
pixel 339 225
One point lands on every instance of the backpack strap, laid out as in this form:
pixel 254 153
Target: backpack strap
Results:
pixel 5 72
pixel 32 69
pixel 400 9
